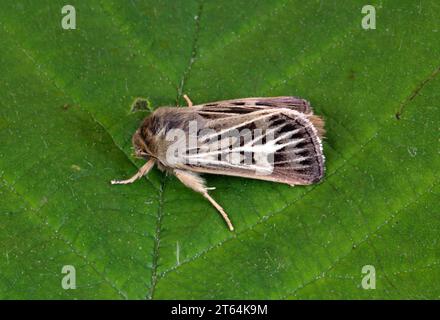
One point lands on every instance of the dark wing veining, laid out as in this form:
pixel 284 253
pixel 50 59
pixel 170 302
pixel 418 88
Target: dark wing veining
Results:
pixel 253 104
pixel 283 146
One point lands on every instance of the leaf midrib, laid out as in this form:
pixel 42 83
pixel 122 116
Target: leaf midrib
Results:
pixel 185 76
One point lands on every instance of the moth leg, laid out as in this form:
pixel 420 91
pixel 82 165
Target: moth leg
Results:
pixel 188 100
pixel 197 183
pixel 142 171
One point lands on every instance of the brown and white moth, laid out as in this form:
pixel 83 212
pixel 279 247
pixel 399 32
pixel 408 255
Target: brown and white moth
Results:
pixel 276 139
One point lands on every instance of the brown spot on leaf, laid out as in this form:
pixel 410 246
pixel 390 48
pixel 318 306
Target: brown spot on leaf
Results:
pixel 140 104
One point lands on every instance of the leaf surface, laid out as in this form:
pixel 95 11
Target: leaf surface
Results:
pixel 66 123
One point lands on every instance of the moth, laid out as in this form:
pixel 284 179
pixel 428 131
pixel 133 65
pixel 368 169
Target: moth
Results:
pixel 275 139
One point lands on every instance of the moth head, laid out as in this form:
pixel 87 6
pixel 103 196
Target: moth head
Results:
pixel 147 138
pixel 140 146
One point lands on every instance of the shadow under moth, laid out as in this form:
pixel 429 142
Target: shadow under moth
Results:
pixel 275 139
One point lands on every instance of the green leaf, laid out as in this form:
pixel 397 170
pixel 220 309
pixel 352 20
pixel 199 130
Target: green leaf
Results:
pixel 66 121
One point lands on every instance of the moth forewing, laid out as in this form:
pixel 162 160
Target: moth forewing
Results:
pixel 275 139
pixel 285 147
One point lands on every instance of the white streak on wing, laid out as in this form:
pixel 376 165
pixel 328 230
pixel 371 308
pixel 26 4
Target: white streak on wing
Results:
pixel 217 163
pixel 265 115
pixel 286 135
pixel 263 135
pixel 296 167
pixel 290 143
pixel 296 151
pixel 291 167
pixel 268 148
pixel 299 159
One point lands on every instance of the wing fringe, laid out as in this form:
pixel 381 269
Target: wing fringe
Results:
pixel 318 123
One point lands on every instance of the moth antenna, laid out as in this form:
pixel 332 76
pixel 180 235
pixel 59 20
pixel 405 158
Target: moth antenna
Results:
pixel 188 100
